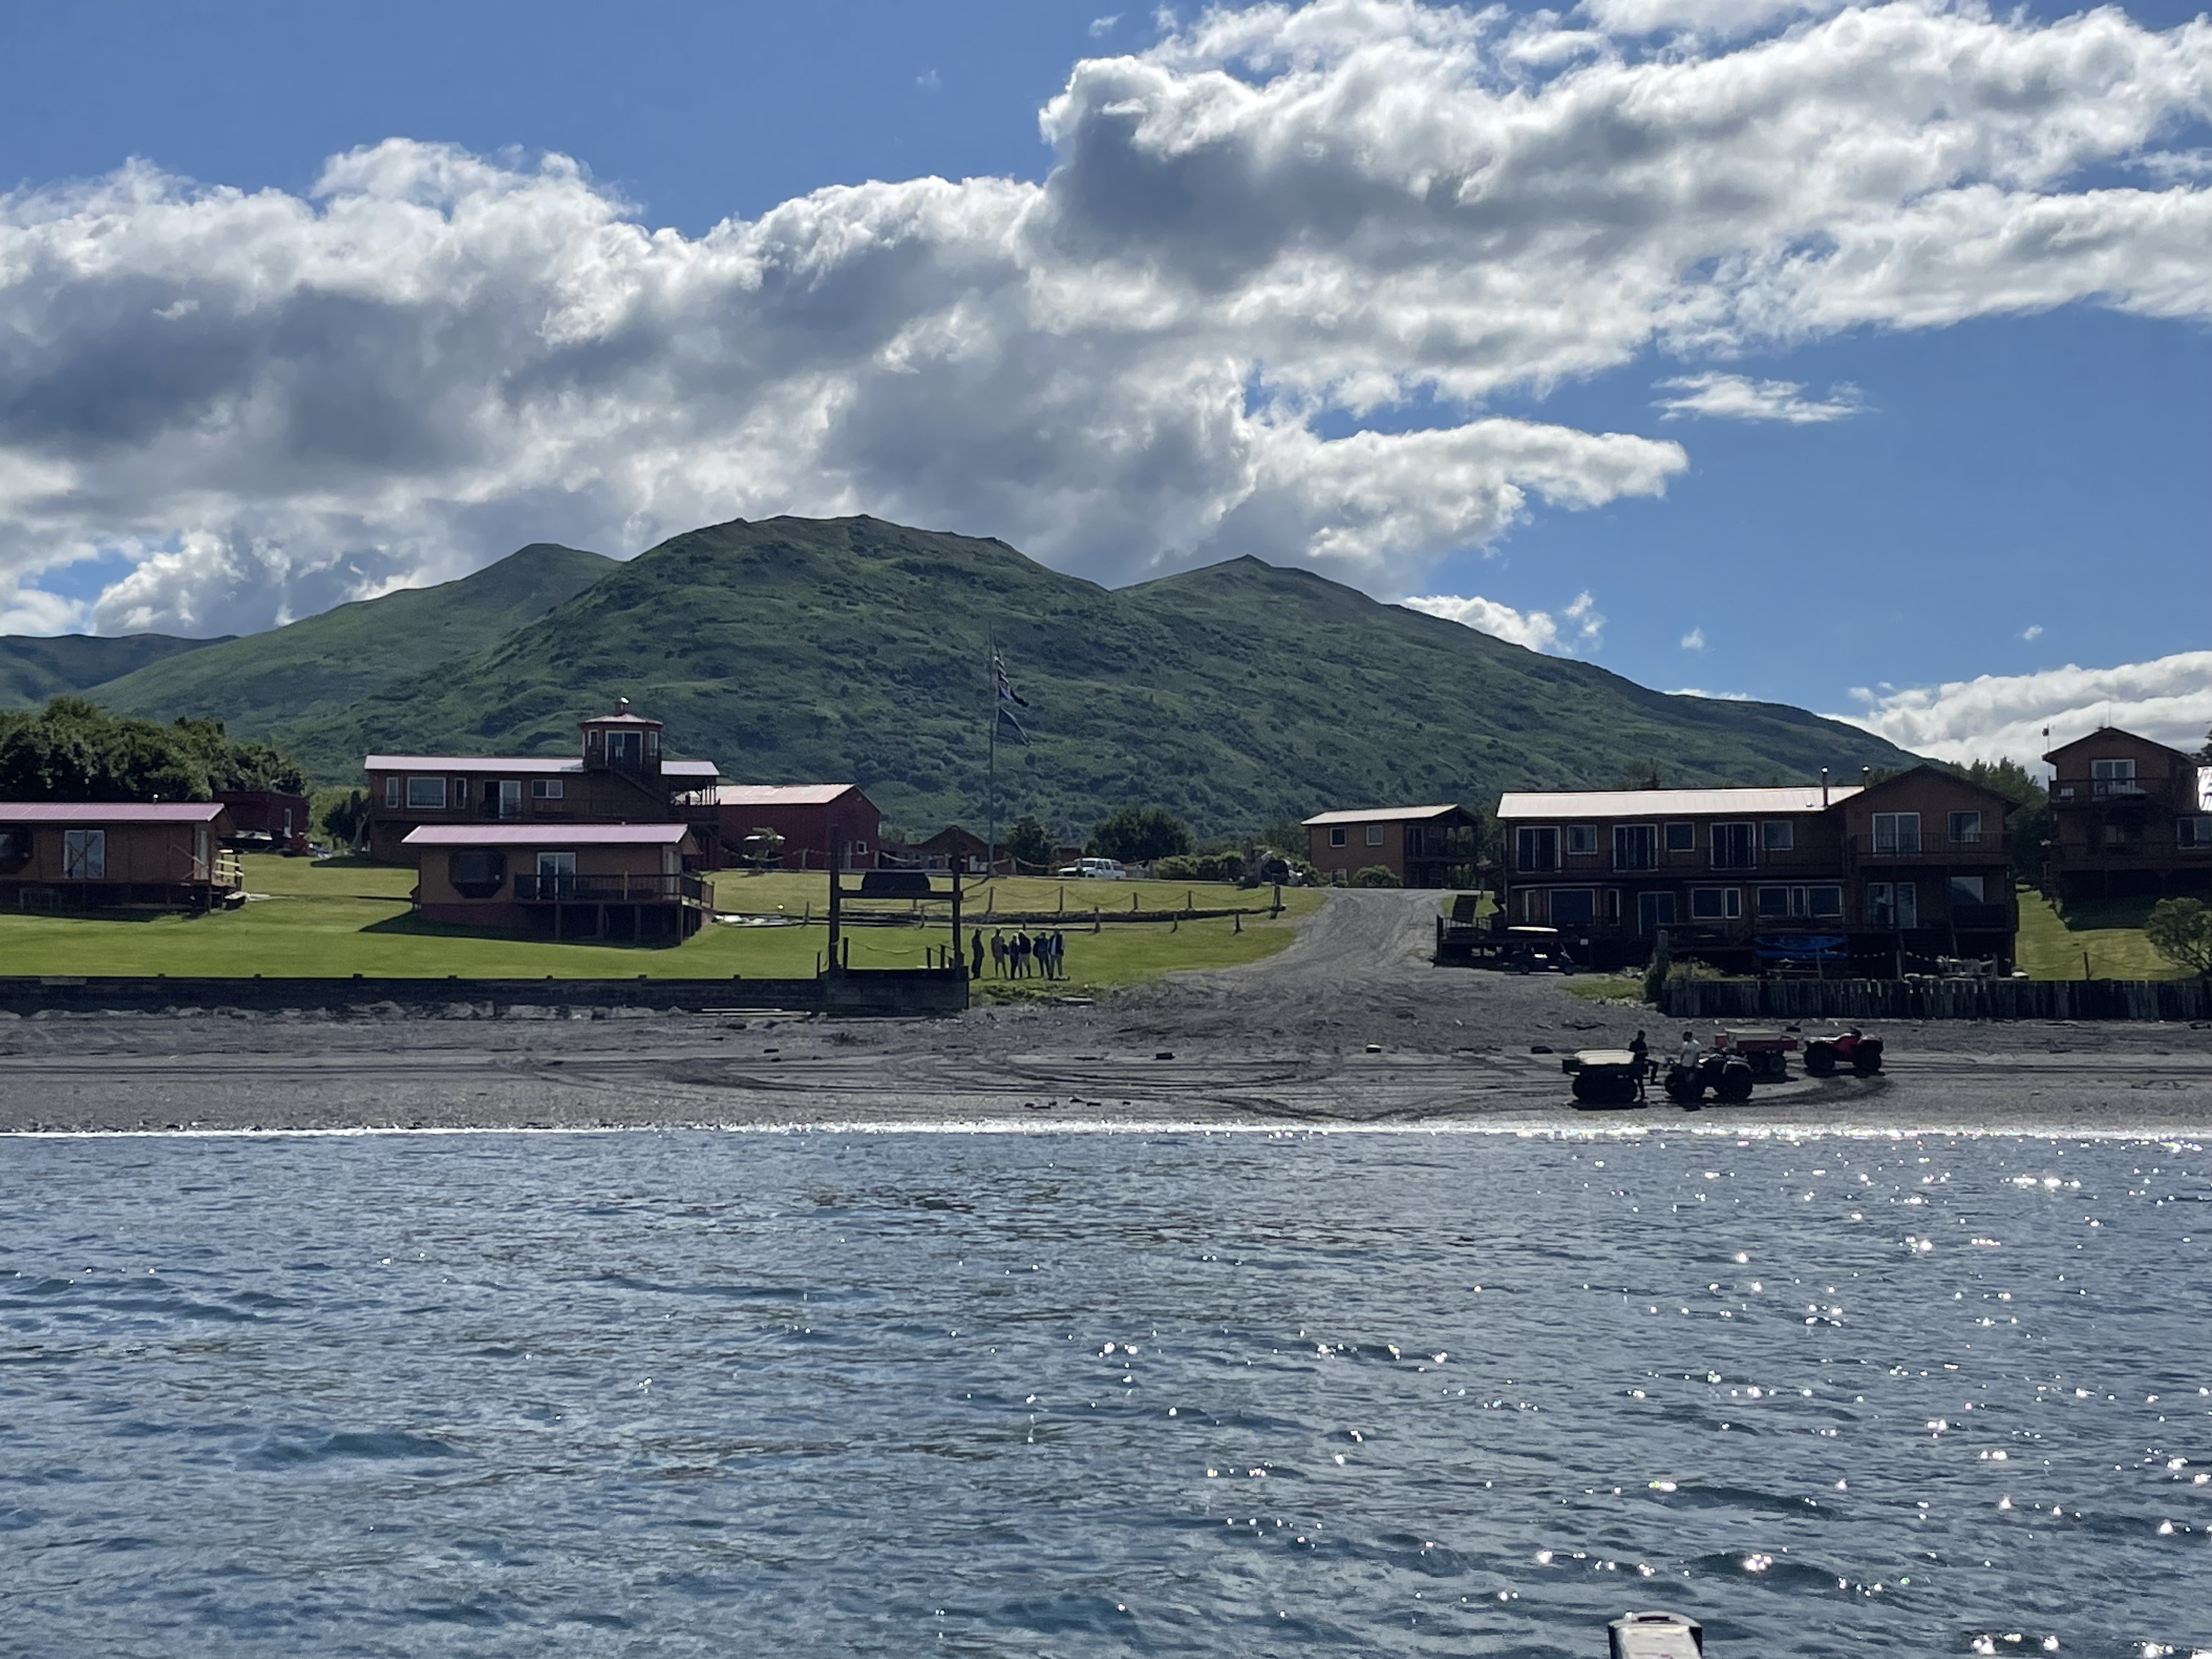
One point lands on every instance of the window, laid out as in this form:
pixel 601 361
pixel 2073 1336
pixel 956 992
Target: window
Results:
pixel 1681 837
pixel 1715 903
pixel 1732 847
pixel 1336 834
pixel 84 855
pixel 1635 847
pixel 1799 903
pixel 1581 838
pixel 1374 835
pixel 2193 831
pixel 1777 834
pixel 1897 832
pixel 200 847
pixel 1536 849
pixel 391 793
pixel 545 788
pixel 1965 829
pixel 477 872
pixel 556 874
pixel 426 794
pixel 1893 904
pixel 1573 907
pixel 1966 889
pixel 2112 777
pixel 860 849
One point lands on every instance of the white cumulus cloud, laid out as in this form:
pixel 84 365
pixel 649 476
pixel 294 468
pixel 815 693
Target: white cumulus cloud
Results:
pixel 1260 233
pixel 1694 640
pixel 1578 628
pixel 1999 716
pixel 1739 398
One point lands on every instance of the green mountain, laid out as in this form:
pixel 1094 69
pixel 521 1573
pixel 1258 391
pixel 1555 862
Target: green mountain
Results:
pixel 32 668
pixel 264 682
pixel 804 649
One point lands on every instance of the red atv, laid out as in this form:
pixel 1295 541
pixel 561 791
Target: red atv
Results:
pixel 1854 1049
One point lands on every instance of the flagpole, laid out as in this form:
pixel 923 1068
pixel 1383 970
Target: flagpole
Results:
pixel 991 765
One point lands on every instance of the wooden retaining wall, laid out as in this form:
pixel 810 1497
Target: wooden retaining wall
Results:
pixel 892 991
pixel 1896 999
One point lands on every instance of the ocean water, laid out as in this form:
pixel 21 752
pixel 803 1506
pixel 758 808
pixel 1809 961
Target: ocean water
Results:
pixel 1090 1394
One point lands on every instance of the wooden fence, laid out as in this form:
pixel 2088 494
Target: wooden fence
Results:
pixel 1938 999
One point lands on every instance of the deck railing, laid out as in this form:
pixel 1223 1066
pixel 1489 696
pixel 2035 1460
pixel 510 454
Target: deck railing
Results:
pixel 532 888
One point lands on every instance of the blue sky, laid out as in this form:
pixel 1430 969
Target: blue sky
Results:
pixel 2003 492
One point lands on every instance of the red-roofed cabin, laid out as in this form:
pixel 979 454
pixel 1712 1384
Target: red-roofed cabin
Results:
pixel 820 822
pixel 275 813
pixel 76 855
pixel 611 881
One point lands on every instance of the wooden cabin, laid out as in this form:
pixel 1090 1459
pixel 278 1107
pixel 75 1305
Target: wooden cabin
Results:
pixel 160 855
pixel 622 882
pixel 1419 845
pixel 2134 820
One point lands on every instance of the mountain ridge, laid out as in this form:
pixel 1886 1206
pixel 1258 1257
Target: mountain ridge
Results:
pixel 794 649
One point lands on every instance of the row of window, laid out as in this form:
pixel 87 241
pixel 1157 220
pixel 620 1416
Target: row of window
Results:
pixel 1733 846
pixel 1888 904
pixel 429 794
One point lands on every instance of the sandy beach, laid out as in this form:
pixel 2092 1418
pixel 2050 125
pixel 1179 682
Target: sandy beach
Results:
pixel 1349 1026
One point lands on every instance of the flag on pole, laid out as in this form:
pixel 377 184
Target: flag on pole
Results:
pixel 1010 729
pixel 1006 692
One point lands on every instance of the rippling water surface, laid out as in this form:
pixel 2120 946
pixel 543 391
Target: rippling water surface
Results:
pixel 1101 1393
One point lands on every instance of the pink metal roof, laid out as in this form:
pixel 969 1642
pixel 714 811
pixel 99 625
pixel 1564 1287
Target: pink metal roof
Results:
pixel 780 794
pixel 542 765
pixel 1670 803
pixel 66 811
pixel 1386 814
pixel 545 835
pixel 471 763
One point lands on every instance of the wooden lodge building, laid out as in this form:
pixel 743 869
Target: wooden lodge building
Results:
pixel 2134 820
pixel 164 855
pixel 1861 879
pixel 1419 845
pixel 619 775
pixel 609 881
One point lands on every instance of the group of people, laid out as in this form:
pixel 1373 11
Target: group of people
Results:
pixel 1025 956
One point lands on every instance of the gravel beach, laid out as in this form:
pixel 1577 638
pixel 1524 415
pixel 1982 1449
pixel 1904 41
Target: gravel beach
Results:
pixel 1348 1026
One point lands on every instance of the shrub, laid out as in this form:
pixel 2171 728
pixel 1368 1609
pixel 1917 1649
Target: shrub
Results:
pixel 2181 929
pixel 1375 875
pixel 1029 842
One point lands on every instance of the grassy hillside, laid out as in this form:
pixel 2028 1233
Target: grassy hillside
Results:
pixel 332 660
pixel 33 669
pixel 795 649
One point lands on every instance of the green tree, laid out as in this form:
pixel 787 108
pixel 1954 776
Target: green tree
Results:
pixel 72 750
pixel 342 815
pixel 1286 836
pixel 1029 842
pixel 2181 929
pixel 2204 755
pixel 2030 823
pixel 1138 835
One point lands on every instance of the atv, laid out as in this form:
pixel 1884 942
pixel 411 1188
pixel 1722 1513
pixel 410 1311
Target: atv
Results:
pixel 1854 1049
pixel 1728 1075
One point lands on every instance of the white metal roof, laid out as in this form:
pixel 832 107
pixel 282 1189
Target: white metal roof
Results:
pixel 545 835
pixel 780 794
pixel 1671 803
pixel 1385 814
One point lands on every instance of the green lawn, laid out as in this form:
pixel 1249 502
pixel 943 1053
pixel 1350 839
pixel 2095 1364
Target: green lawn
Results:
pixel 2052 941
pixel 346 917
